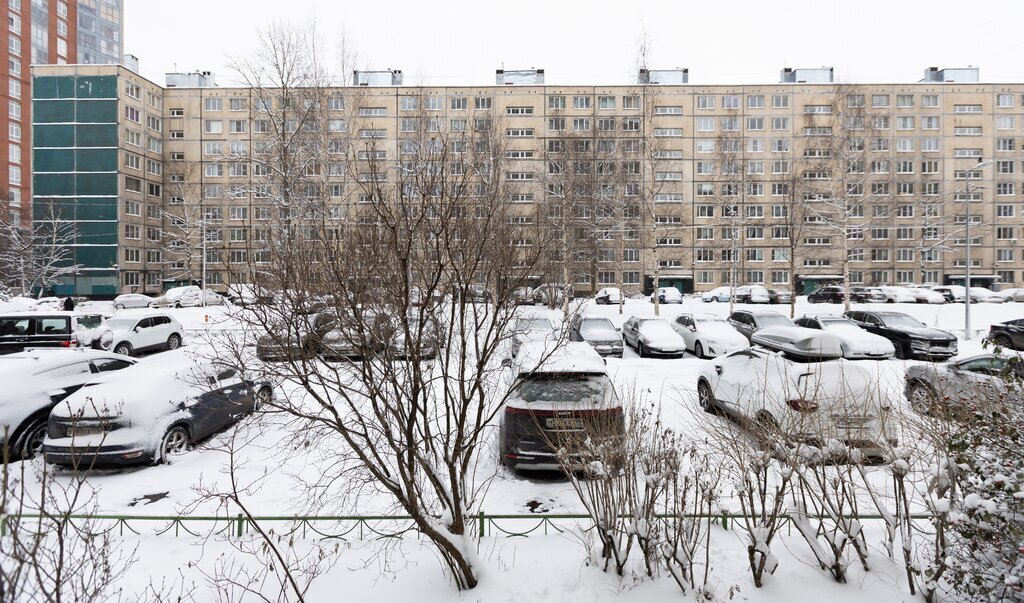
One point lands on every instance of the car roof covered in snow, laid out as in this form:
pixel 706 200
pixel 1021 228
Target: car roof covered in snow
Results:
pixel 549 357
pixel 40 359
pixel 799 341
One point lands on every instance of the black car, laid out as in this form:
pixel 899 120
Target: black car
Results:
pixel 53 329
pixel 864 295
pixel 779 296
pixel 149 412
pixel 1009 334
pixel 599 332
pixel 910 337
pixel 828 295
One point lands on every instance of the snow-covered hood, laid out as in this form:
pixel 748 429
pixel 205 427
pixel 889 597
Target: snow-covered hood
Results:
pixel 657 332
pixel 858 342
pixel 721 332
pixel 925 333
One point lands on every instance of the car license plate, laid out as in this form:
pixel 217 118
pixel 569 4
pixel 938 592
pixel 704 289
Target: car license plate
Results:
pixel 564 422
pixel 85 430
pixel 941 349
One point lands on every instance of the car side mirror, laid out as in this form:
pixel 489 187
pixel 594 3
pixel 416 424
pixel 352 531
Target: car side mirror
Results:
pixel 692 328
pixel 135 329
pixel 718 369
pixel 618 329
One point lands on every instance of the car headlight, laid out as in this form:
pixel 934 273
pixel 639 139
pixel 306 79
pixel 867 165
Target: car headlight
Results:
pixel 918 344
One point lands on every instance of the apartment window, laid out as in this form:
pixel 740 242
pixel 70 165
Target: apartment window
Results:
pixel 1004 167
pixel 668 110
pixel 929 100
pixel 705 124
pixel 237 126
pixel 730 124
pixel 1004 232
pixel 879 100
pixel 755 123
pixel 482 103
pixel 904 101
pixel 780 101
pixel 755 101
pixel 335 102
pixel 631 124
pixel 213 126
pixel 606 124
pixel 1004 211
pixel 705 233
pixel 1005 144
pixel 904 123
pixel 519 110
pixel 817 108
pixel 1004 100
pixel 631 101
pixel 929 123
pixel 581 102
pixel 730 101
pixel 511 132
pixel 606 102
pixel 1004 122
pixel 435 103
pixel 556 102
pixel 966 108
pixel 1004 188
pixel 930 145
pixel 755 255
pixel 705 102
pixel 667 132
pixel 154 168
pixel 132 114
pixel 631 277
pixel 132 161
pixel 967 131
pixel 1004 255
pixel 581 124
pixel 408 103
pixel 780 123
pixel 904 145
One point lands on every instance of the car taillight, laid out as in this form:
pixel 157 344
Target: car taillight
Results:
pixel 71 343
pixel 801 405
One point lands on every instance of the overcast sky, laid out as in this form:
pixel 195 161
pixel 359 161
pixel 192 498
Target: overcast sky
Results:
pixel 461 42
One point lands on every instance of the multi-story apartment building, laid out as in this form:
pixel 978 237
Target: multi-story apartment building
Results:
pixel 38 33
pixel 695 186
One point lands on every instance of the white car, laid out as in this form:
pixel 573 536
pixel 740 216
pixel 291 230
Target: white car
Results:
pixel 1013 294
pixel 857 343
pixel 924 295
pixel 985 296
pixel 667 295
pixel 955 293
pixel 187 297
pixel 145 333
pixel 608 295
pixel 707 335
pixel 752 294
pixel 718 294
pixel 811 402
pixel 532 328
pixel 652 337
pixel 898 295
pixel 132 300
pixel 38 379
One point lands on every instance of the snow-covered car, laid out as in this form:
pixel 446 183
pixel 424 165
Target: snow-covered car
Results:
pixel 952 293
pixel 50 303
pixel 924 295
pixel 985 296
pixel 951 387
pixel 608 295
pixel 523 296
pixel 707 335
pixel 667 295
pixel 532 328
pixel 551 294
pixel 301 336
pixel 178 297
pixel 779 296
pixel 145 333
pixel 393 337
pixel 752 294
pixel 652 337
pixel 898 295
pixel 150 413
pixel 53 329
pixel 559 398
pixel 599 332
pixel 866 295
pixel 28 303
pixel 249 295
pixel 1011 295
pixel 807 394
pixel 911 337
pixel 857 343
pixel 718 294
pixel 748 322
pixel 132 300
pixel 36 381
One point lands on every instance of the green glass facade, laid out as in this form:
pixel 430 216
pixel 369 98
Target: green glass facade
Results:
pixel 75 175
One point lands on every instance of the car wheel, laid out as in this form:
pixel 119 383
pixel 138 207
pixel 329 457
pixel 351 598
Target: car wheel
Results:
pixel 890 301
pixel 175 442
pixel 922 398
pixel 640 349
pixel 706 398
pixel 1003 341
pixel 263 398
pixel 30 443
pixel 698 350
pixel 177 305
pixel 901 350
pixel 173 342
pixel 119 306
pixel 124 348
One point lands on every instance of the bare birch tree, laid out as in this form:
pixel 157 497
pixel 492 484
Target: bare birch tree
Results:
pixel 38 256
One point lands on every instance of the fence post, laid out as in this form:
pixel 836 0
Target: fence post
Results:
pixel 483 525
pixel 241 522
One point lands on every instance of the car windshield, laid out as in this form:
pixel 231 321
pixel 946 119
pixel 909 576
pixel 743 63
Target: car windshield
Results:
pixel 596 326
pixel 565 388
pixel 842 326
pixel 91 321
pixel 774 320
pixel 121 324
pixel 900 320
pixel 534 324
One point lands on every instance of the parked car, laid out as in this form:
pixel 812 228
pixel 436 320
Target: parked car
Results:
pixel 667 295
pixel 752 294
pixel 946 388
pixel 608 295
pixel 898 295
pixel 187 297
pixel 866 295
pixel 924 295
pixel 831 294
pixel 707 335
pixel 145 333
pixel 952 293
pixel 523 296
pixel 551 294
pixel 718 294
pixel 1011 295
pixel 131 300
pixel 50 303
pixel 150 413
pixel 982 295
pixel 857 343
pixel 747 322
pixel 652 337
pixel 249 295
pixel 779 296
pixel 53 329
pixel 296 338
pixel 599 332
pixel 394 337
pixel 366 335
pixel 558 399
pixel 909 336
pixel 474 294
pixel 38 379
pixel 1009 334
pixel 532 328
pixel 815 398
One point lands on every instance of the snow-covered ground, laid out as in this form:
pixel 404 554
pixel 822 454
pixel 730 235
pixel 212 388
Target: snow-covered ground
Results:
pixel 536 568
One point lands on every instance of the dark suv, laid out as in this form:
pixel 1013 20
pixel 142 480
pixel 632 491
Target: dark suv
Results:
pixel 911 337
pixel 1009 334
pixel 53 329
pixel 829 295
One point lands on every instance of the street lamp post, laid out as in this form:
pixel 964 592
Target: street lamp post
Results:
pixel 967 263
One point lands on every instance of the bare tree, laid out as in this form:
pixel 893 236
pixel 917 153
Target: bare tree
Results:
pixel 40 255
pixel 185 217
